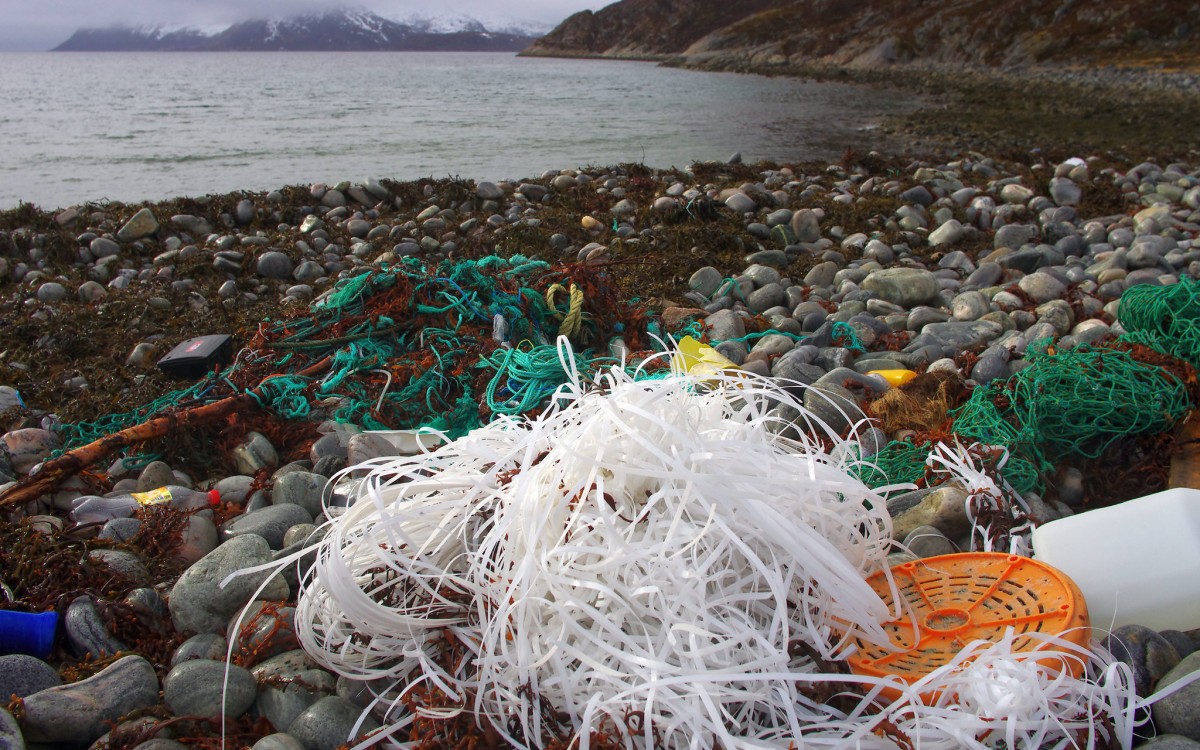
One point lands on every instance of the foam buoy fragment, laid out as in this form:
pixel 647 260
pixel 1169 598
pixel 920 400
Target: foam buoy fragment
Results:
pixel 894 378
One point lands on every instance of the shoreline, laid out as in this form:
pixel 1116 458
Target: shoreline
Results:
pixel 1064 111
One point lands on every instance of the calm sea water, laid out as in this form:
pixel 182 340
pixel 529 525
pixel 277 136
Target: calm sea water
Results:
pixel 133 126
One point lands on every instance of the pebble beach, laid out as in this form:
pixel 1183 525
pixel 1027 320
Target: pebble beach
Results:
pixel 967 269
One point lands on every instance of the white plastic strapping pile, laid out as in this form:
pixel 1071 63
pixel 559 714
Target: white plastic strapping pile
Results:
pixel 644 549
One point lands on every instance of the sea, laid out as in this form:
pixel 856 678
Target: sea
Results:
pixel 96 127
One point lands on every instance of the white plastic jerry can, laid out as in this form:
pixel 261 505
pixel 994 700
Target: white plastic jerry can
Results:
pixel 1136 563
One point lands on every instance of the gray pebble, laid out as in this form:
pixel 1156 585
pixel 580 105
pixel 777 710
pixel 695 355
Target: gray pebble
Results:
pixel 833 405
pixel 362 447
pixel 274 265
pixel 278 741
pixel 199 537
pixel 957 335
pixel 23 675
pixel 283 667
pixel 1181 642
pixel 82 711
pixel 970 305
pixel 328 723
pixel 992 365
pixel 926 541
pixel 263 630
pixel 740 203
pixel 1147 653
pixel 280 704
pixel 871 441
pixel 199 604
pixel 103 247
pixel 948 233
pixel 1042 287
pixel 234 488
pixel 806 226
pixel 918 194
pixel 944 509
pixel 301 533
pixel 1065 192
pixel 125 564
pixel 772 344
pixel 90 292
pixel 725 325
pixel 1179 713
pixel 796 368
pixel 28 447
pixel 146 601
pixel 141 224
pixel 270 523
pixel 302 488
pixel 906 287
pixel 822 274
pixel 161 743
pixel 1014 235
pixel 1170 742
pixel 120 529
pixel 156 474
pixel 329 465
pixel 244 211
pixel 254 453
pixel 210 646
pixel 51 292
pixel 10 732
pixel 86 632
pixel 201 687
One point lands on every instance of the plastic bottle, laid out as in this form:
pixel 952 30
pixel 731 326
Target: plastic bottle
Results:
pixel 99 509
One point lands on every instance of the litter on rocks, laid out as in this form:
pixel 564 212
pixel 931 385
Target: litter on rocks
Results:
pixel 653 563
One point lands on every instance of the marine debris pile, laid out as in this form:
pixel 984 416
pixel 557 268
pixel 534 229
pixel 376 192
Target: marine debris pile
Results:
pixel 612 458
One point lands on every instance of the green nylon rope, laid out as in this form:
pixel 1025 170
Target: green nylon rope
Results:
pixel 467 291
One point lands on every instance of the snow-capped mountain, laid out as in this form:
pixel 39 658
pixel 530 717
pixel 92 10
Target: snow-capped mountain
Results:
pixel 331 31
pixel 447 24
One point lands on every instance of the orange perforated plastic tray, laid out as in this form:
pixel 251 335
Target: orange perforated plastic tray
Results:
pixel 952 600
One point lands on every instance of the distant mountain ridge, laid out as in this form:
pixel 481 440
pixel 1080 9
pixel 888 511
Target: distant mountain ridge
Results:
pixel 865 33
pixel 331 31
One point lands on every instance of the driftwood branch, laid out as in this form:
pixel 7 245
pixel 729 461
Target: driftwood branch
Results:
pixel 53 472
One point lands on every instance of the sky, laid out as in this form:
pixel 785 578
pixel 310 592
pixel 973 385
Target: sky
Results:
pixel 32 25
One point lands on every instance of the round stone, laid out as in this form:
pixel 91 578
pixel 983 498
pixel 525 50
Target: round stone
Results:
pixel 204 687
pixel 51 291
pixel 274 265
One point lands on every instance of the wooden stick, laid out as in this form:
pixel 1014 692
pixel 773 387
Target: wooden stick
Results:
pixel 1185 466
pixel 51 473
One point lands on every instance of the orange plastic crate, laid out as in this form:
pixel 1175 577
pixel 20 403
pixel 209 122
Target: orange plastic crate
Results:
pixel 952 600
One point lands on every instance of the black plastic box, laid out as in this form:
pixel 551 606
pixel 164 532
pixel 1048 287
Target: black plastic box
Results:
pixel 194 358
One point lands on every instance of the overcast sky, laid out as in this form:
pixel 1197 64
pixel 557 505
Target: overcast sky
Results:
pixel 28 25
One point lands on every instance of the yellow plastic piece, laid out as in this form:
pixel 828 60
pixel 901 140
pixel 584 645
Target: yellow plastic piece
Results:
pixel 700 360
pixel 894 378
pixel 951 600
